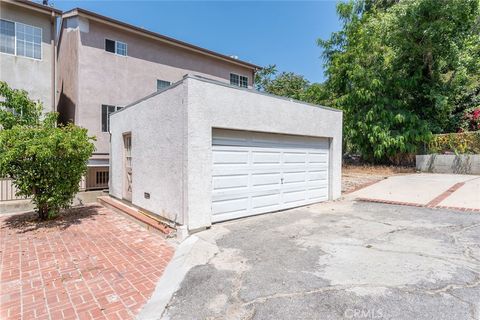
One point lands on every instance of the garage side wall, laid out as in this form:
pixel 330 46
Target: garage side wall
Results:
pixel 157 130
pixel 212 105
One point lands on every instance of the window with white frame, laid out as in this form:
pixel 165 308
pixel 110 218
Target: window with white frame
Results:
pixel 238 80
pixel 107 110
pixel 20 39
pixel 116 47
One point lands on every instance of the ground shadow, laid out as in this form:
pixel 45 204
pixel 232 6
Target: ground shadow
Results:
pixel 27 222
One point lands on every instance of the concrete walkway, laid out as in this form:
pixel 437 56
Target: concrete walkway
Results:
pixel 338 260
pixel 430 190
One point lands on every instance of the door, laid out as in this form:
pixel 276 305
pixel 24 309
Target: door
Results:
pixel 255 173
pixel 127 182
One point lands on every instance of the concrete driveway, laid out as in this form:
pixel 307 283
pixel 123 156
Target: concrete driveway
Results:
pixel 338 260
pixel 426 189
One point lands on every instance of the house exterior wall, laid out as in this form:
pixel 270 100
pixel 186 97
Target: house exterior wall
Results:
pixel 68 74
pixel 106 78
pixel 216 106
pixel 34 76
pixel 172 142
pixel 157 131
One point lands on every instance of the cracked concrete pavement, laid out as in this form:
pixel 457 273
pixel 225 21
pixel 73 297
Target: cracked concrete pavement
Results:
pixel 337 260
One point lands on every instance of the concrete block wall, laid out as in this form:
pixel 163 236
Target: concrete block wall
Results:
pixel 449 163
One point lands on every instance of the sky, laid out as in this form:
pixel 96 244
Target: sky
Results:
pixel 283 33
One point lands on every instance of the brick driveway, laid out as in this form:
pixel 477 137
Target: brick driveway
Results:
pixel 89 264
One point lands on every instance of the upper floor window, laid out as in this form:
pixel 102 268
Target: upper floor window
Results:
pixel 162 84
pixel 106 112
pixel 20 39
pixel 238 80
pixel 116 47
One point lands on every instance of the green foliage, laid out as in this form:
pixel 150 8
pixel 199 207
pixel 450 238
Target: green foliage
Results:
pixel 458 143
pixel 291 85
pixel 16 108
pixel 401 70
pixel 45 161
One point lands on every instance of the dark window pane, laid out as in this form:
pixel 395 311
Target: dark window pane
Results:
pixel 7 37
pixel 110 45
pixel 234 79
pixel 243 82
pixel 162 84
pixel 104 118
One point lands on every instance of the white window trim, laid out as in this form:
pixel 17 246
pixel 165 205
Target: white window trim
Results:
pixel 15 41
pixel 239 80
pixel 115 53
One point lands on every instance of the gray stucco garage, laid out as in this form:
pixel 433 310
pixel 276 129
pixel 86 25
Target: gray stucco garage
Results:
pixel 201 151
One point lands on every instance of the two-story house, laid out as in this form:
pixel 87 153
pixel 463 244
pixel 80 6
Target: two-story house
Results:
pixel 105 64
pixel 28 48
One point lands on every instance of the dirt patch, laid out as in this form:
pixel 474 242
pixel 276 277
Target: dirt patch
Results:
pixel 357 177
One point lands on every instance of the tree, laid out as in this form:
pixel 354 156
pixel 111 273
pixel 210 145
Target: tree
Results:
pixel 45 161
pixel 291 85
pixel 396 68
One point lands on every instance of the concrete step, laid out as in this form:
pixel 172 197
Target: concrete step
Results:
pixel 148 220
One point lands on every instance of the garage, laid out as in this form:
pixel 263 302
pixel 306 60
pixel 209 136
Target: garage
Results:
pixel 201 152
pixel 255 172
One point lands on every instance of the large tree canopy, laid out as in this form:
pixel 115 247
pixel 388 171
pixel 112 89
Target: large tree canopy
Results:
pixel 401 70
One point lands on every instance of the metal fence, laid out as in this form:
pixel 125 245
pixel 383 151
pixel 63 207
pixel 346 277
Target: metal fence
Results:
pixel 8 190
pixel 95 179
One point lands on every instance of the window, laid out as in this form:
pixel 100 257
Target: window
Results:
pixel 117 47
pixel 162 84
pixel 7 37
pixel 238 80
pixel 20 39
pixel 106 112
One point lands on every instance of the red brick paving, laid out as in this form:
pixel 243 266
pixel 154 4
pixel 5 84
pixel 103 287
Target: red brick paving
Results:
pixel 89 264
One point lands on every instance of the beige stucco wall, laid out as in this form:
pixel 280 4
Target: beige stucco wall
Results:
pixel 34 76
pixel 106 78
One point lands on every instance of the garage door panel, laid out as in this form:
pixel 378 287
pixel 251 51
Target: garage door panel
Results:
pixel 230 157
pixel 317 175
pixel 266 179
pixel 263 201
pixel 264 157
pixel 317 193
pixel 230 205
pixel 230 182
pixel 294 177
pixel 295 157
pixel 266 172
pixel 317 158
pixel 294 196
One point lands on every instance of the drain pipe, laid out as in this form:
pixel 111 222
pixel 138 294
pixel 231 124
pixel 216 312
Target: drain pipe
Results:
pixel 53 26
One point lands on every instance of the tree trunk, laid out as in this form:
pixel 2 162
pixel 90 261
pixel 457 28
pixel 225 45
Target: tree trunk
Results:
pixel 43 212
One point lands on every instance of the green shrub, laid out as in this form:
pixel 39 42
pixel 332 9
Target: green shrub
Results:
pixel 458 143
pixel 45 161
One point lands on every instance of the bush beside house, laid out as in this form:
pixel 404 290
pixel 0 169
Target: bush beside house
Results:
pixel 46 161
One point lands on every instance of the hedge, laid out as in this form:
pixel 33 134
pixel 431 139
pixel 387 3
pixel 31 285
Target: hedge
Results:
pixel 458 143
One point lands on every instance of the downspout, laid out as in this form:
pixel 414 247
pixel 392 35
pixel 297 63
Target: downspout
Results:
pixel 54 59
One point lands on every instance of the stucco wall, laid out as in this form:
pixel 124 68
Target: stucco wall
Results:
pixel 172 142
pixel 106 78
pixel 216 106
pixel 157 129
pixel 34 76
pixel 68 74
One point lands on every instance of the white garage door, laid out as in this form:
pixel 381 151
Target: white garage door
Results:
pixel 256 172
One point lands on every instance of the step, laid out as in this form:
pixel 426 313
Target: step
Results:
pixel 148 220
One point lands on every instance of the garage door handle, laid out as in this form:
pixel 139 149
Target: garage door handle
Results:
pixel 281 180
